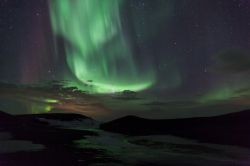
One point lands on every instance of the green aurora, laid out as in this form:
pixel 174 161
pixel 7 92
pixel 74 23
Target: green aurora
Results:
pixel 99 53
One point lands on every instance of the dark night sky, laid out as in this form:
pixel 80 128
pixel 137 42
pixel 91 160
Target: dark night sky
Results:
pixel 195 47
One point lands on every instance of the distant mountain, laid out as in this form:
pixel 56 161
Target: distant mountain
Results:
pixel 59 142
pixel 30 127
pixel 230 129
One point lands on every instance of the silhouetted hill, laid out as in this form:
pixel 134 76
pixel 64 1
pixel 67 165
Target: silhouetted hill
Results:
pixel 7 119
pixel 59 142
pixel 29 127
pixel 231 129
pixel 5 116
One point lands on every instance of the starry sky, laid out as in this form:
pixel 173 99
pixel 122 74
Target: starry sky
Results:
pixel 163 47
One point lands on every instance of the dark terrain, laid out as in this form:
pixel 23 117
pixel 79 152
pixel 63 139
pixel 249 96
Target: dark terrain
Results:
pixel 229 129
pixel 60 143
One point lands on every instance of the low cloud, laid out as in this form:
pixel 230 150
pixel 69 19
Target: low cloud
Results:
pixel 233 61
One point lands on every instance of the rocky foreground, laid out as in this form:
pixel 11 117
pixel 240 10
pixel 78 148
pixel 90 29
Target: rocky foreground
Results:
pixel 72 139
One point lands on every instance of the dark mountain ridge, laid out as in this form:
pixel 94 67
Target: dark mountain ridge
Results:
pixel 229 129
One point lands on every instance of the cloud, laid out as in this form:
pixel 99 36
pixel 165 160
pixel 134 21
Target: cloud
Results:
pixel 233 61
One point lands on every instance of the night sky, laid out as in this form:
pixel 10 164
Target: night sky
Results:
pixel 164 47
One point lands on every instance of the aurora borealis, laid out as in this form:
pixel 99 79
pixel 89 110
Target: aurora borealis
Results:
pixel 188 50
pixel 98 49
